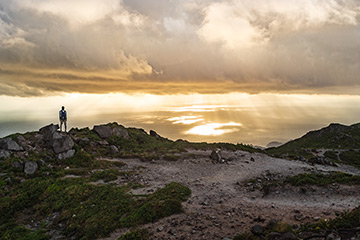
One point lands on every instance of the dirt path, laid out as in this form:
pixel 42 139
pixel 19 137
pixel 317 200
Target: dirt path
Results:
pixel 219 207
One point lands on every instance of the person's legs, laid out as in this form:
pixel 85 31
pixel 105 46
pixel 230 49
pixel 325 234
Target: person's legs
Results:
pixel 65 124
pixel 61 123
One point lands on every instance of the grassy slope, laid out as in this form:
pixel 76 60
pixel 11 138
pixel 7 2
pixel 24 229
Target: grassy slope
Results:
pixel 335 136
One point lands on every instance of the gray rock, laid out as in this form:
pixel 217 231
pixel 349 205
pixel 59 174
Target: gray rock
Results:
pixel 103 143
pixel 48 131
pixel 113 149
pixel 333 236
pixel 154 134
pixel 18 165
pixel 289 236
pixel 63 144
pixel 120 132
pixel 257 230
pixel 275 236
pixel 30 167
pixel 215 155
pixel 4 153
pixel 103 131
pixel 9 144
pixel 70 153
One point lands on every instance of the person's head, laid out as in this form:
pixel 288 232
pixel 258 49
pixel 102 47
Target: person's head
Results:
pixel 62 108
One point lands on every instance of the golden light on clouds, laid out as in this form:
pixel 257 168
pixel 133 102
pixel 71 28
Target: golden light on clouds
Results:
pixel 214 129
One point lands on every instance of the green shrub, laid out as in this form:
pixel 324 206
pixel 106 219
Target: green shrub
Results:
pixel 136 235
pixel 323 179
pixel 106 175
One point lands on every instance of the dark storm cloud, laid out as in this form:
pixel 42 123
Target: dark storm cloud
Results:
pixel 174 46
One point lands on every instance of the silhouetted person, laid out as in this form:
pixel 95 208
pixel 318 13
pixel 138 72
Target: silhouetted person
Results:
pixel 62 118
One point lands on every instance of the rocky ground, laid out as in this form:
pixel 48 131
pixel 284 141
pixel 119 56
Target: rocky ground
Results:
pixel 224 204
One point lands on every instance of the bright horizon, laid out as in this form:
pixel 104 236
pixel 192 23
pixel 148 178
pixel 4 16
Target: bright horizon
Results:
pixel 203 70
pixel 238 118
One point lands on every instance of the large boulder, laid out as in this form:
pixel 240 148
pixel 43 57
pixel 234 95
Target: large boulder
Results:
pixel 4 153
pixel 62 144
pixel 9 144
pixel 48 131
pixel 120 132
pixel 103 131
pixel 30 167
pixel 66 155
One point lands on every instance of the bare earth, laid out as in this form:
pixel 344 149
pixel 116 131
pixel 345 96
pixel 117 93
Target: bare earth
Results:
pixel 221 205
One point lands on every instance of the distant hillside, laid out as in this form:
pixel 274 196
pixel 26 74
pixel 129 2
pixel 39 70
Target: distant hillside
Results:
pixel 336 143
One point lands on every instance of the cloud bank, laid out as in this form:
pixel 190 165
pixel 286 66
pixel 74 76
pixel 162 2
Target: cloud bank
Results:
pixel 178 46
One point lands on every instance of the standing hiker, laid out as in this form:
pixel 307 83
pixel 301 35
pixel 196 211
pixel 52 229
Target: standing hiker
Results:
pixel 62 118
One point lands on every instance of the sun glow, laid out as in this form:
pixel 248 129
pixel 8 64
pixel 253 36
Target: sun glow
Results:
pixel 214 129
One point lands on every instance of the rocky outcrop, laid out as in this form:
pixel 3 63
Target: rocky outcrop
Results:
pixel 113 149
pixel 30 167
pixel 63 144
pixel 9 144
pixel 154 134
pixel 103 131
pixel 70 153
pixel 48 131
pixel 60 142
pixel 106 131
pixel 4 153
pixel 119 132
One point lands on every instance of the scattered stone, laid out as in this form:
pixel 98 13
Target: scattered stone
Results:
pixel 257 230
pixel 103 131
pixel 113 149
pixel 9 144
pixel 18 165
pixel 30 167
pixel 298 217
pixel 103 143
pixel 252 159
pixel 4 153
pixel 154 134
pixel 274 236
pixel 289 236
pixel 333 236
pixel 70 153
pixel 160 229
pixel 62 144
pixel 48 131
pixel 120 132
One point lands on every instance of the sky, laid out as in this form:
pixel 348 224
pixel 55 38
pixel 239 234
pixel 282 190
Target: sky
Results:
pixel 170 50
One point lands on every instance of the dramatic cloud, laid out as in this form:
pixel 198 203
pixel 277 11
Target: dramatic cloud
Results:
pixel 178 46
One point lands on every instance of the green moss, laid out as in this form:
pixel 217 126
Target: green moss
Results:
pixel 323 179
pixel 162 203
pixel 351 157
pixel 136 235
pixel 12 231
pixel 80 159
pixel 85 133
pixel 347 220
pixel 105 175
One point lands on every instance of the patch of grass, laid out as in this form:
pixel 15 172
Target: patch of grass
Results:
pixel 106 175
pixel 171 157
pixel 86 211
pixel 349 219
pixel 85 133
pixel 136 235
pixel 162 203
pixel 332 155
pixel 322 179
pixel 12 231
pixel 351 157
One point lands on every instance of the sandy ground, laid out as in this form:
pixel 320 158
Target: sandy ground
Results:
pixel 222 206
